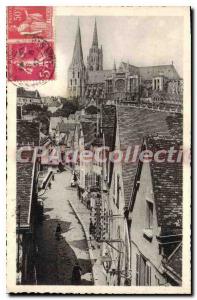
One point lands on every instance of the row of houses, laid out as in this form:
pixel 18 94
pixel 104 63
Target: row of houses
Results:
pixel 137 205
pixel 27 169
pixel 32 175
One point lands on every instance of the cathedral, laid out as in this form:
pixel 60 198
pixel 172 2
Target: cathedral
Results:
pixel 127 83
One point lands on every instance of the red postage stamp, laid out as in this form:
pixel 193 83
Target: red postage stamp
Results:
pixel 29 21
pixel 31 61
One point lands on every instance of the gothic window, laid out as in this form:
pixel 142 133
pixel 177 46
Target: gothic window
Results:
pixel 109 86
pixel 73 74
pixel 132 84
pixel 78 74
pixel 75 81
pixel 120 85
pixel 71 82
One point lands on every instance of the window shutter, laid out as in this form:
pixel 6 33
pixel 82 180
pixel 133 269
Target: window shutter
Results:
pixel 137 268
pixel 148 275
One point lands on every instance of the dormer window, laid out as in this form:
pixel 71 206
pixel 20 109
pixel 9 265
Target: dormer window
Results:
pixel 148 230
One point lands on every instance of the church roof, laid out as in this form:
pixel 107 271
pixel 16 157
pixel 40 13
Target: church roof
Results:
pixel 148 73
pixel 78 52
pixel 98 76
pixel 168 71
pixel 21 92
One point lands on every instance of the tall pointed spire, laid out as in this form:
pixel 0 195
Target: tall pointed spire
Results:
pixel 114 67
pixel 78 52
pixel 95 36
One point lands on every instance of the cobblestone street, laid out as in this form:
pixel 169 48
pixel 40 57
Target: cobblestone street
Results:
pixel 55 259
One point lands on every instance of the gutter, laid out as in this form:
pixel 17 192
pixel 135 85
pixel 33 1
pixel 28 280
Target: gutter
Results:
pixel 87 239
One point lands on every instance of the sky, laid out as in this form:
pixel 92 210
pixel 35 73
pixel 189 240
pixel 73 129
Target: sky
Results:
pixel 141 41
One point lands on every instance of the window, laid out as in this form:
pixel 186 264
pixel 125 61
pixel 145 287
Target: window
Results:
pixel 148 275
pixel 137 269
pixel 98 181
pixel 73 74
pixel 78 74
pixel 75 81
pixel 149 214
pixel 71 82
pixel 143 271
pixel 109 86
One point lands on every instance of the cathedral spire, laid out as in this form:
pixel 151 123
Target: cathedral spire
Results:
pixel 78 52
pixel 95 36
pixel 114 67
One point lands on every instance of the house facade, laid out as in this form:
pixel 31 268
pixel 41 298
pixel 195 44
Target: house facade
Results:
pixel 27 169
pixel 155 218
pixel 133 124
pixel 28 97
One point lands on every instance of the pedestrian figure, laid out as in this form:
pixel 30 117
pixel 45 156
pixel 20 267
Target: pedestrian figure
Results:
pixel 76 274
pixel 91 228
pixel 74 176
pixel 58 231
pixel 88 204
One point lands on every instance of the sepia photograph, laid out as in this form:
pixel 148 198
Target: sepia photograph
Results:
pixel 99 108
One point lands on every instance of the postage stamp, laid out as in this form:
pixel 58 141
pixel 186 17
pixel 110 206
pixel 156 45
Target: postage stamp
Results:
pixel 31 61
pixel 98 166
pixel 27 21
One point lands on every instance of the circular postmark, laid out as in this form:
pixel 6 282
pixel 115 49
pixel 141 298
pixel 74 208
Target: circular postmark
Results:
pixel 31 63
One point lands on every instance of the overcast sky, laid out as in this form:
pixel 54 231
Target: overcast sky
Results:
pixel 143 41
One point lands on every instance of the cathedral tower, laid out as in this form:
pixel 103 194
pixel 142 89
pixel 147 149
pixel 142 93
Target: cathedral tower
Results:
pixel 76 71
pixel 95 57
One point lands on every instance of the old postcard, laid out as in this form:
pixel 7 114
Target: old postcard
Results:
pixel 98 137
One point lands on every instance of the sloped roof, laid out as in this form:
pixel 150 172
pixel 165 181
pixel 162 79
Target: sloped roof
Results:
pixel 133 125
pixel 109 125
pixel 55 120
pixel 21 92
pixel 66 127
pixel 167 186
pixel 147 73
pixel 27 133
pixel 44 139
pixel 173 265
pixel 89 132
pixel 98 76
pixel 168 71
pixel 127 67
pixel 92 110
pixel 24 178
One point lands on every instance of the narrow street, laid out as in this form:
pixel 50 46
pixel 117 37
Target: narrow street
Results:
pixel 56 258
